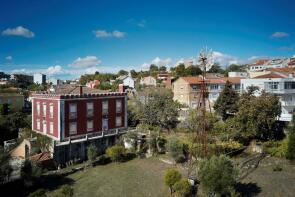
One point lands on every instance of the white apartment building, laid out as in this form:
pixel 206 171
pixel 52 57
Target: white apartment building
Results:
pixel 39 78
pixel 283 86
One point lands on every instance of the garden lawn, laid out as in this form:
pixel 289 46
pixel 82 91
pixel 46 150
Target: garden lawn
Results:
pixel 138 177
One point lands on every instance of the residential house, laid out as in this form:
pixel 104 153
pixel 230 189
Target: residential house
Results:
pixel 186 89
pixel 280 84
pixel 127 80
pixel 76 117
pixel 93 84
pixel 148 81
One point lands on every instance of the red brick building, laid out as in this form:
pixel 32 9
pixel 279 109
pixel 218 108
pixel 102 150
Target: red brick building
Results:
pixel 77 117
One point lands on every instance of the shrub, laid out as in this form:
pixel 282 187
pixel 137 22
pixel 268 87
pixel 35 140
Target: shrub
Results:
pixel 217 175
pixel 91 152
pixel 38 193
pixel 276 148
pixel 171 177
pixel 176 148
pixel 65 191
pixel 290 152
pixel 116 153
pixel 182 187
pixel 30 172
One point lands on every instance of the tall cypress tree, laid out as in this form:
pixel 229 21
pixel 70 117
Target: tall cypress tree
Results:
pixel 291 141
pixel 226 103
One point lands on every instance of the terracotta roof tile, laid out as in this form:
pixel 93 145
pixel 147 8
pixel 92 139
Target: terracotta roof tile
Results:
pixel 270 75
pixel 41 157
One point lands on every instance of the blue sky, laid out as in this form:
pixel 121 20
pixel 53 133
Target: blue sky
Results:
pixel 67 38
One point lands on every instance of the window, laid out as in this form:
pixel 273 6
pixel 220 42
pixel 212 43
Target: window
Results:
pixel 118 106
pixel 118 121
pixel 90 109
pixel 44 127
pixel 73 110
pixel 51 110
pixel 105 124
pixel 289 85
pixel 89 125
pixel 214 87
pixel 44 109
pixel 38 124
pixel 51 128
pixel 73 128
pixel 273 85
pixel 105 107
pixel 38 108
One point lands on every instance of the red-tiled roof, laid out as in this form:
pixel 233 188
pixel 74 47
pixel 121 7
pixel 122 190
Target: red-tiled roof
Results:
pixel 261 62
pixel 41 157
pixel 192 80
pixel 221 80
pixel 270 75
pixel 283 70
pixel 292 62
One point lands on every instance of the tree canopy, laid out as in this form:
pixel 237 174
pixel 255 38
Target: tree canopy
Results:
pixel 227 102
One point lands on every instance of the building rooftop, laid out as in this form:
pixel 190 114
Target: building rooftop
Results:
pixel 271 75
pixel 221 80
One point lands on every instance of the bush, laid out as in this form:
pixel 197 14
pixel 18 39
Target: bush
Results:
pixel 176 148
pixel 276 148
pixel 92 152
pixel 116 153
pixel 65 191
pixel 217 175
pixel 183 187
pixel 290 152
pixel 38 193
pixel 171 177
pixel 30 172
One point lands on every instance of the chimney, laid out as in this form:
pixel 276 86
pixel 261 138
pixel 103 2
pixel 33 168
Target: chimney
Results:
pixel 80 89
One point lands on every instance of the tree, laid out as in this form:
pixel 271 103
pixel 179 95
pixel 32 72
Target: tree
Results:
pixel 153 68
pixel 177 149
pixel 116 153
pixel 234 68
pixel 290 154
pixel 193 71
pixel 216 69
pixel 163 68
pixel 257 115
pixel 133 73
pixel 227 102
pixel 171 177
pixel 91 152
pixel 159 109
pixel 5 168
pixel 183 187
pixel 122 72
pixel 180 71
pixel 217 175
pixel 30 172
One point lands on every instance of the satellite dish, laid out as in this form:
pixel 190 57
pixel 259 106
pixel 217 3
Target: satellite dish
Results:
pixel 206 59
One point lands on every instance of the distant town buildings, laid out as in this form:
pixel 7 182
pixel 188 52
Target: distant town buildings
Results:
pixel 39 78
pixel 22 78
pixel 93 84
pixel 75 117
pixel 148 81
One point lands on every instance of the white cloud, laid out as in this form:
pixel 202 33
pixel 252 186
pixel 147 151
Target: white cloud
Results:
pixel 86 62
pixel 161 62
pixel 9 57
pixel 18 31
pixel 54 70
pixel 106 34
pixel 294 55
pixel 279 34
pixel 145 66
pixel 224 59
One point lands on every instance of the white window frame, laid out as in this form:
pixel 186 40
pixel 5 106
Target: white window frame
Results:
pixel 118 106
pixel 51 128
pixel 38 124
pixel 73 113
pixel 38 108
pixel 89 125
pixel 90 109
pixel 105 107
pixel 105 127
pixel 73 128
pixel 118 121
pixel 51 110
pixel 44 109
pixel 44 126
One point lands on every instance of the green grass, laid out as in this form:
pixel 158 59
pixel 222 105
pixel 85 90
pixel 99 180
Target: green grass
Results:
pixel 138 177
